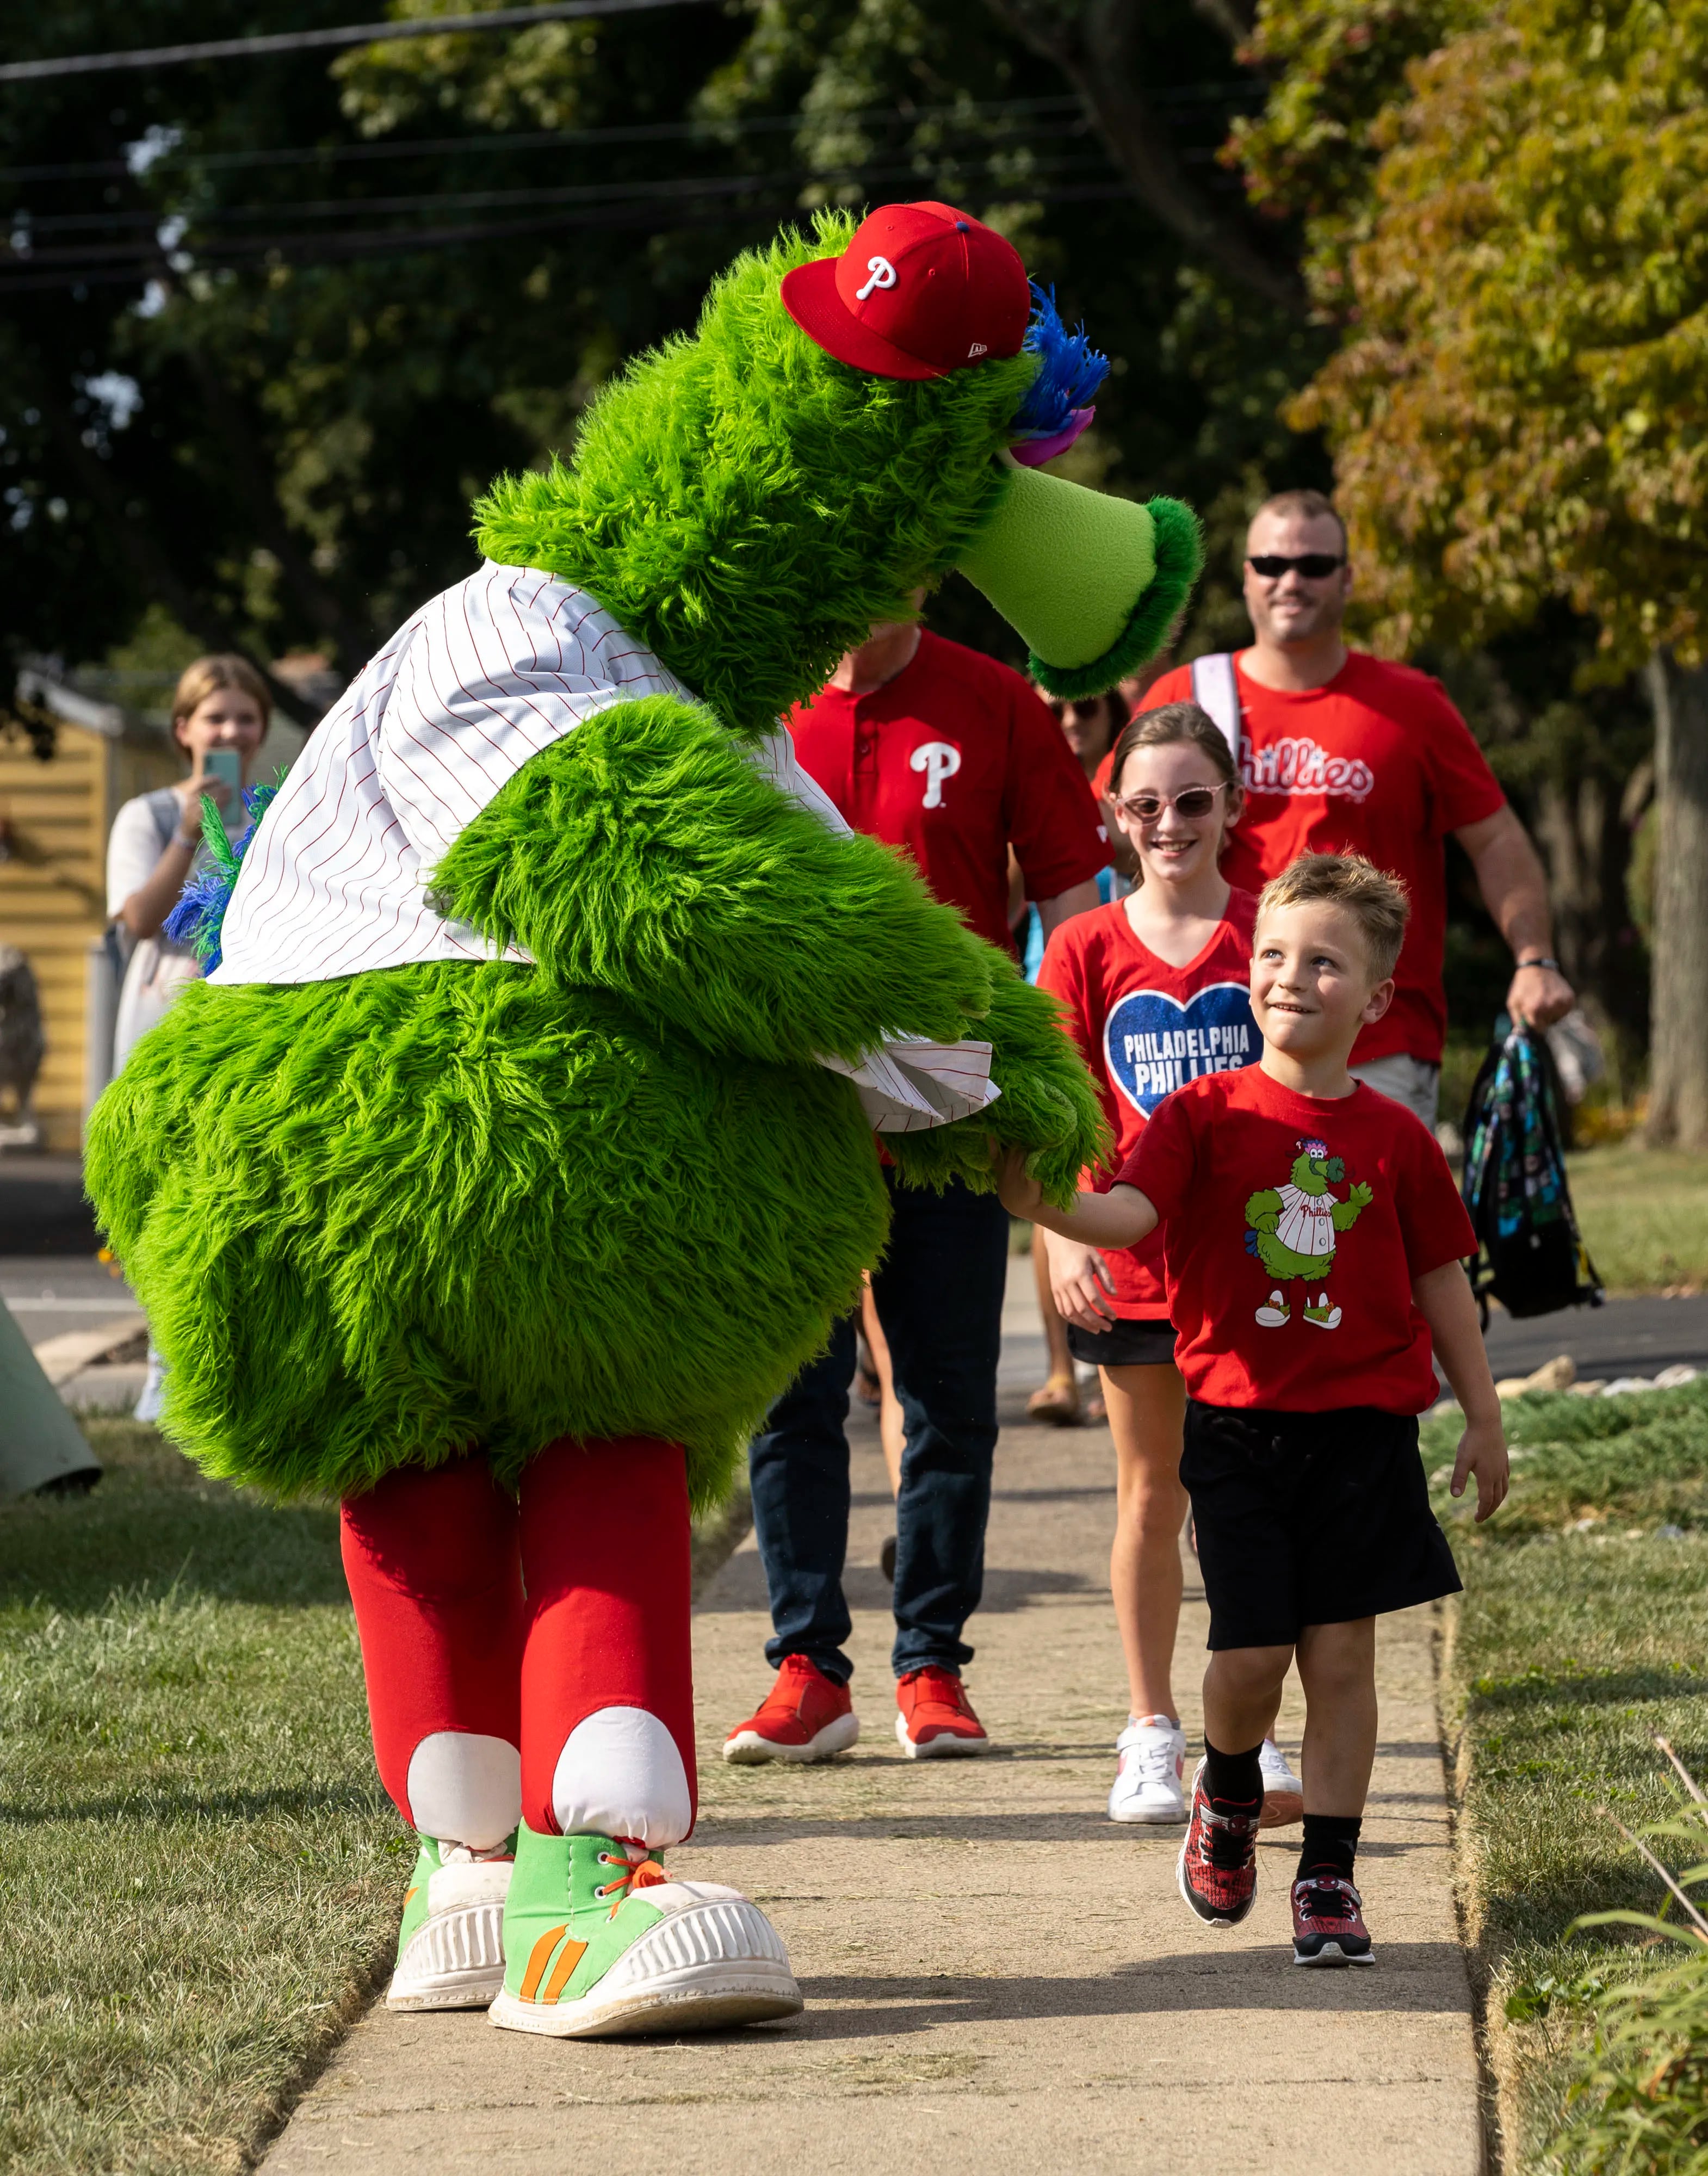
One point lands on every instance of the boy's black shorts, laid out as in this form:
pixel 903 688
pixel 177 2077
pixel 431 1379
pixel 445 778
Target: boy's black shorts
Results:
pixel 1147 1343
pixel 1309 1519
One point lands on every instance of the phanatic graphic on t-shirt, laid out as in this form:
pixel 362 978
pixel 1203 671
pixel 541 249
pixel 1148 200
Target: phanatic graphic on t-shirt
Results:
pixel 1293 1231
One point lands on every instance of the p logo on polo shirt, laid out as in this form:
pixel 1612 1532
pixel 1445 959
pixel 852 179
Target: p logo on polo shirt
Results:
pixel 1153 1042
pixel 939 760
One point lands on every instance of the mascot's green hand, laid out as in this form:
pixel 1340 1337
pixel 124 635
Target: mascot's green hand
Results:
pixel 1263 1211
pixel 644 855
pixel 1344 1213
pixel 1048 1104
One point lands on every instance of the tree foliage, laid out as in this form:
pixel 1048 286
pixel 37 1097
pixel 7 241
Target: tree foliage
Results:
pixel 1516 410
pixel 266 326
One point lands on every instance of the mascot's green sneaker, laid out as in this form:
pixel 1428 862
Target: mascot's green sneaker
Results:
pixel 600 1940
pixel 450 1948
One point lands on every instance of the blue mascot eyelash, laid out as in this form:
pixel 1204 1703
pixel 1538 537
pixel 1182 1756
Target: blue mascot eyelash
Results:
pixel 196 918
pixel 1071 370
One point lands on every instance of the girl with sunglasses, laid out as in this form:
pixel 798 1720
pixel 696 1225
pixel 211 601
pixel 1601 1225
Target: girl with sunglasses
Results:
pixel 1157 987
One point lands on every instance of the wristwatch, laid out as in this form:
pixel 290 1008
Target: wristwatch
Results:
pixel 1552 964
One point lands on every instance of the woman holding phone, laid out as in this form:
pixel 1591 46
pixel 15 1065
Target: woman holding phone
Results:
pixel 220 713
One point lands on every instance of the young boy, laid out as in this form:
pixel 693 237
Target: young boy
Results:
pixel 1312 1239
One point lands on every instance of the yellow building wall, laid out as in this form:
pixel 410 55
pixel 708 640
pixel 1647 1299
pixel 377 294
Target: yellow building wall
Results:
pixel 57 816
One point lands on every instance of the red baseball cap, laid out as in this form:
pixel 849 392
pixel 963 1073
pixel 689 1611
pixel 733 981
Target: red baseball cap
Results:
pixel 922 290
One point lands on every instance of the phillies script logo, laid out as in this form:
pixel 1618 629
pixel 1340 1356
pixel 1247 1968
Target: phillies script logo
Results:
pixel 1152 1043
pixel 1301 766
pixel 939 761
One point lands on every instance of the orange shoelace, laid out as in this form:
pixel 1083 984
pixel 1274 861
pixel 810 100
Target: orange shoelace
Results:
pixel 637 1873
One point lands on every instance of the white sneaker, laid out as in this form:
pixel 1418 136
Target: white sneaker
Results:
pixel 1283 1794
pixel 1148 1781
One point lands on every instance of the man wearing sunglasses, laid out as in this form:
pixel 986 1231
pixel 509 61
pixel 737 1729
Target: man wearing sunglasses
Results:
pixel 1340 751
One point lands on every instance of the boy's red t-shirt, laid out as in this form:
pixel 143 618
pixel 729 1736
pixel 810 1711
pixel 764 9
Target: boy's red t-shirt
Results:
pixel 1377 762
pixel 1144 1027
pixel 1249 1177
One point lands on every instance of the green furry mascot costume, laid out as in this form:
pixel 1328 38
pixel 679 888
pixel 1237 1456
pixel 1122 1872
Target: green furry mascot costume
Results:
pixel 517 1150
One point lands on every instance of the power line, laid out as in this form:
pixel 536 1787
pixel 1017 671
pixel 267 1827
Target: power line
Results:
pixel 397 241
pixel 648 132
pixel 30 226
pixel 351 34
pixel 597 198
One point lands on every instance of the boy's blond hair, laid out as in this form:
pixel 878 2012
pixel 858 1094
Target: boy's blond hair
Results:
pixel 1377 902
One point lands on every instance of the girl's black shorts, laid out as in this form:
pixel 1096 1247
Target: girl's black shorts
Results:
pixel 1309 1519
pixel 1148 1343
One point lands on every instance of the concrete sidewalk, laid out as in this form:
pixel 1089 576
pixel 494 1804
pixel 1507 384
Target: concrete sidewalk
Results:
pixel 992 1969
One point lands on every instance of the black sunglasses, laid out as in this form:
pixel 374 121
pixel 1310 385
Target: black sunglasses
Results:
pixel 1315 566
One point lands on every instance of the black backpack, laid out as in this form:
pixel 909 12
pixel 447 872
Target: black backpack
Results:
pixel 1530 1255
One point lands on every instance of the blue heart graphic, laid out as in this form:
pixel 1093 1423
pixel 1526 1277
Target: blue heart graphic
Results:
pixel 1152 1043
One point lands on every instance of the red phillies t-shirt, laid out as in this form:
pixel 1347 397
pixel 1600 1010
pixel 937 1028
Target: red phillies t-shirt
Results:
pixel 1292 1229
pixel 955 758
pixel 1378 762
pixel 1144 1027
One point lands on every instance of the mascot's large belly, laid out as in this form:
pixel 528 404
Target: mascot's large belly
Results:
pixel 375 1222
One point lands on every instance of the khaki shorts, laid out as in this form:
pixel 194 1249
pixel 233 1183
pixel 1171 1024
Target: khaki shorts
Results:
pixel 1408 1080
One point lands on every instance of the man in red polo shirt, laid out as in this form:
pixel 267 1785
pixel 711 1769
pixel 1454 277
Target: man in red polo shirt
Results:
pixel 952 757
pixel 1342 752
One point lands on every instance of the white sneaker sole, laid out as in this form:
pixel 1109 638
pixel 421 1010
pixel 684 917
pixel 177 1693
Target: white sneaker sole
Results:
pixel 747 1748
pixel 1158 1817
pixel 454 1961
pixel 1332 1954
pixel 698 1970
pixel 1281 1807
pixel 946 1746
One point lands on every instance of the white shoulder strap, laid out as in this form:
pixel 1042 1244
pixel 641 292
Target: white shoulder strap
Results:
pixel 1216 690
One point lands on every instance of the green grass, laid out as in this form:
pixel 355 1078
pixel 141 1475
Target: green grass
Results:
pixel 1644 1214
pixel 201 1877
pixel 1569 1650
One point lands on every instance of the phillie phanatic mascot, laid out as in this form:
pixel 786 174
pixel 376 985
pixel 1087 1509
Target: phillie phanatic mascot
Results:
pixel 517 1150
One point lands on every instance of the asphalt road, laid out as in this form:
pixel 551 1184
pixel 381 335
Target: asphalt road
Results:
pixel 53 1292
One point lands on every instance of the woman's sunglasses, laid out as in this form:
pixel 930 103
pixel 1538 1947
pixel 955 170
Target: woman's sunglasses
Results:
pixel 1315 566
pixel 1191 802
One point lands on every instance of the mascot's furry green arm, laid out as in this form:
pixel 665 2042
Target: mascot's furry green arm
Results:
pixel 598 1182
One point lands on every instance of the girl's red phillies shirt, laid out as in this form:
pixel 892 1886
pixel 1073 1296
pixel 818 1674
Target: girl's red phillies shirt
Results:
pixel 1293 1228
pixel 1145 1028
pixel 955 758
pixel 1377 762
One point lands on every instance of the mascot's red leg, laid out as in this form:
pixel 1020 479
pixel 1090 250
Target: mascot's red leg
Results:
pixel 607 1688
pixel 434 1567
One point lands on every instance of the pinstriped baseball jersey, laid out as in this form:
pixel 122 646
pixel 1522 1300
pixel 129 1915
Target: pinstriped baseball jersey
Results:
pixel 483 676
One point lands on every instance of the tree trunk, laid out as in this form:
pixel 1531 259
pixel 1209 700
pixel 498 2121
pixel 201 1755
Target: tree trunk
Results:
pixel 1679 975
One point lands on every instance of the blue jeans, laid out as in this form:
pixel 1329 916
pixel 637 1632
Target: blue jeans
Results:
pixel 939 1297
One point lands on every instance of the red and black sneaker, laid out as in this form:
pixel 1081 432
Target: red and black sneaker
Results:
pixel 1217 1869
pixel 1328 1923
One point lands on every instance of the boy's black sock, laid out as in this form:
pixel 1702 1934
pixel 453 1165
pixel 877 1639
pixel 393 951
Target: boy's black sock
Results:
pixel 1330 1844
pixel 1233 1782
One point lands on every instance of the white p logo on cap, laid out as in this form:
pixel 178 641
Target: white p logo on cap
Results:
pixel 883 275
pixel 939 761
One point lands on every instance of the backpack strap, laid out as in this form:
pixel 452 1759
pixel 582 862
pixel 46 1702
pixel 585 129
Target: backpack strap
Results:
pixel 1216 690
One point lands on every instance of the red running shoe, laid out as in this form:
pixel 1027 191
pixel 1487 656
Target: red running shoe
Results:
pixel 1328 1923
pixel 1217 1868
pixel 937 1721
pixel 808 1716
